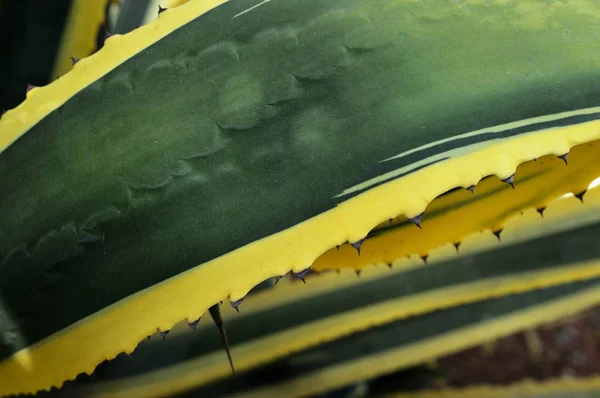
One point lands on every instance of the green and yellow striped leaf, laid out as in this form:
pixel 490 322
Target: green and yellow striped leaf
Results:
pixel 231 142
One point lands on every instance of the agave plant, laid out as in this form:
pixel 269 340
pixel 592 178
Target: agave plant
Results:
pixel 425 167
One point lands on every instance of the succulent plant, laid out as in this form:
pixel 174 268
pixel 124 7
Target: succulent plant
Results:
pixel 427 146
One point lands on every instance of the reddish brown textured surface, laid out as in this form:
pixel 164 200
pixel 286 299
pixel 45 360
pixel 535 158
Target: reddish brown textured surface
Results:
pixel 566 348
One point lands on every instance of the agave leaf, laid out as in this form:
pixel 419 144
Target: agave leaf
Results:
pixel 382 349
pixel 80 35
pixel 404 343
pixel 560 356
pixel 231 142
pixel 337 310
pixel 459 213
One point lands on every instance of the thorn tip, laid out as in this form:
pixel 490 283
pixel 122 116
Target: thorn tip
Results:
pixel 236 304
pixel 510 180
pixel 580 195
pixel 357 245
pixel 194 324
pixel 564 158
pixel 215 313
pixel 417 220
pixel 302 274
pixel 497 233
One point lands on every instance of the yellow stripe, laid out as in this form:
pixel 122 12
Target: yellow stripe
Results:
pixel 175 3
pixel 553 179
pixel 79 36
pixel 151 12
pixel 413 354
pixel 117 49
pixel 214 366
pixel 560 214
pixel 118 328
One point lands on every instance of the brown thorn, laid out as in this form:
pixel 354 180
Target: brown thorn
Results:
pixel 510 181
pixel 565 158
pixel 358 244
pixel 164 333
pixel 417 220
pixel 302 274
pixel 580 195
pixel 215 313
pixel 497 233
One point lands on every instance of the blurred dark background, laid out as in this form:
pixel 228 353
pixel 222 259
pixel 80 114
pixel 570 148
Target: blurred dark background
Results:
pixel 30 34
